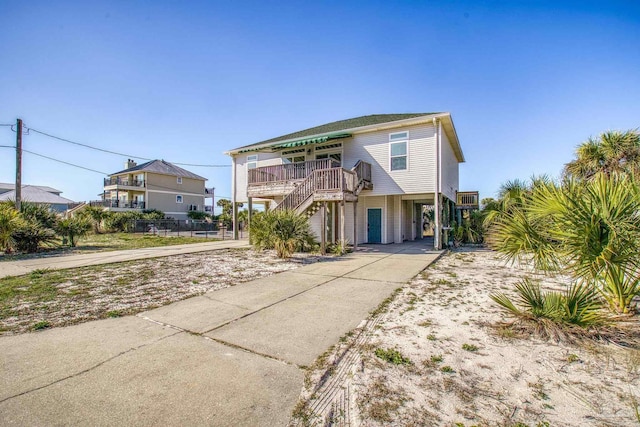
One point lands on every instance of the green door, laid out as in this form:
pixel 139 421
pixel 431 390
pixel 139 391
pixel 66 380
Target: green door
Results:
pixel 374 225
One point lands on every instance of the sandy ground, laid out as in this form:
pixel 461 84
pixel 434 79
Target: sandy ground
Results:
pixel 453 368
pixel 112 290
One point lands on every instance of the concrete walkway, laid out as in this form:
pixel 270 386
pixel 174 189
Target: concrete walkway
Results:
pixel 230 357
pixel 16 268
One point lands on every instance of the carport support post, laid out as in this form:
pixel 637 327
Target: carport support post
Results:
pixel 342 225
pixel 323 234
pixel 235 221
pixel 355 225
pixel 249 217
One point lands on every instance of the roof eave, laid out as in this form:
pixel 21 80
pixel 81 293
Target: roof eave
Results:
pixel 356 130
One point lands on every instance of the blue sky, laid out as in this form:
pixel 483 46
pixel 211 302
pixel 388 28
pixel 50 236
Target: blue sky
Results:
pixel 525 81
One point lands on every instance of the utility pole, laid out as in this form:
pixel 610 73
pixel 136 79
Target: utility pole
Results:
pixel 18 188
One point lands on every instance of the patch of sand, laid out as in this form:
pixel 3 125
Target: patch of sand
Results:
pixel 112 290
pixel 463 371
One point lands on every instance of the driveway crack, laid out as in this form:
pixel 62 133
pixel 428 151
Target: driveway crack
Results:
pixel 84 371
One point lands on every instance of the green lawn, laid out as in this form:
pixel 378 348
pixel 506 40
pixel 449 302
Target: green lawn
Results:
pixel 111 242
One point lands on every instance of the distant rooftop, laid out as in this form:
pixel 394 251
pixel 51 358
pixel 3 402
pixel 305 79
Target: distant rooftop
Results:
pixel 162 167
pixel 11 186
pixel 36 194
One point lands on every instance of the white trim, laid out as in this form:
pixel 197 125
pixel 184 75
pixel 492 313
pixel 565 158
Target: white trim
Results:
pixel 175 192
pixel 181 198
pixel 179 180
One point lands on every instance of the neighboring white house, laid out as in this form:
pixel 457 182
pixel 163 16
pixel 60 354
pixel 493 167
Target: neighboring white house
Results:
pixel 365 180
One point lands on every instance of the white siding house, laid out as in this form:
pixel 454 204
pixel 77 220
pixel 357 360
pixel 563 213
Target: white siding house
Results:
pixel 384 167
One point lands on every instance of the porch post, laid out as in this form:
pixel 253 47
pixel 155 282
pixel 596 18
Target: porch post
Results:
pixel 342 225
pixel 323 234
pixel 250 203
pixel 235 221
pixel 355 225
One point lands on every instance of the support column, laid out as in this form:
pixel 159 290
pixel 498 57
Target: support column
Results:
pixel 235 221
pixel 323 234
pixel 342 224
pixel 250 203
pixel 355 225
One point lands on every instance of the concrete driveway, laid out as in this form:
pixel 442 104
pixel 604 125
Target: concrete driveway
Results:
pixel 230 357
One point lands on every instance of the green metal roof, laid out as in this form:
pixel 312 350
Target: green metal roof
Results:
pixel 338 126
pixel 301 142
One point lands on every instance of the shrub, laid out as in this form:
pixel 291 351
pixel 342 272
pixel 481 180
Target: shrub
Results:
pixel 73 228
pixel 95 215
pixel 152 214
pixel 198 215
pixel 121 221
pixel 578 306
pixel 284 231
pixel 10 221
pixel 588 229
pixel 32 235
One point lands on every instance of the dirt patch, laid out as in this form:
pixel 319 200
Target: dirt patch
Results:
pixel 434 358
pixel 51 298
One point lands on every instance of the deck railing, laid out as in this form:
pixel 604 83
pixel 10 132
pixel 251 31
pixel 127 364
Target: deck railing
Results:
pixel 117 204
pixel 469 198
pixel 124 182
pixel 363 171
pixel 320 181
pixel 288 171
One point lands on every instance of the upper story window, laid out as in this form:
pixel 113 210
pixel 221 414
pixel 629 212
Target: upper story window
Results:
pixel 294 156
pixel 179 180
pixel 252 161
pixel 178 198
pixel 398 148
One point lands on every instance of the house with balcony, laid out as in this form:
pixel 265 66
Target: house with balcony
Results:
pixel 361 180
pixel 156 184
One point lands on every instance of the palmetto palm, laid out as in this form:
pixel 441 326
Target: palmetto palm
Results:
pixel 612 152
pixel 589 229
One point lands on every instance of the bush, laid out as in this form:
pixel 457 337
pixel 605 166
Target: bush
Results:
pixel 285 231
pixel 10 221
pixel 72 228
pixel 152 214
pixel 95 215
pixel 578 306
pixel 32 235
pixel 121 221
pixel 197 215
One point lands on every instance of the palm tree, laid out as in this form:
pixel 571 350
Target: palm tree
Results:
pixel 611 152
pixel 589 229
pixel 10 221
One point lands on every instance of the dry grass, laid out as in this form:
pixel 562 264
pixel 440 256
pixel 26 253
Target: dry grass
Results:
pixel 51 298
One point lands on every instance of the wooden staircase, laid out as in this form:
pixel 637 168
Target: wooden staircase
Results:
pixel 331 184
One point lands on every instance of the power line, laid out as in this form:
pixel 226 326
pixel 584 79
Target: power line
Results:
pixel 120 154
pixel 2 124
pixel 56 160
pixel 66 163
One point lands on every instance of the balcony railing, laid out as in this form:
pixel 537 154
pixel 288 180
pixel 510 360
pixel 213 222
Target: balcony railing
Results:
pixel 124 182
pixel 118 204
pixel 288 171
pixel 467 199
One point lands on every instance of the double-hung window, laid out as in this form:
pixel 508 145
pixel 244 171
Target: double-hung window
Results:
pixel 398 149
